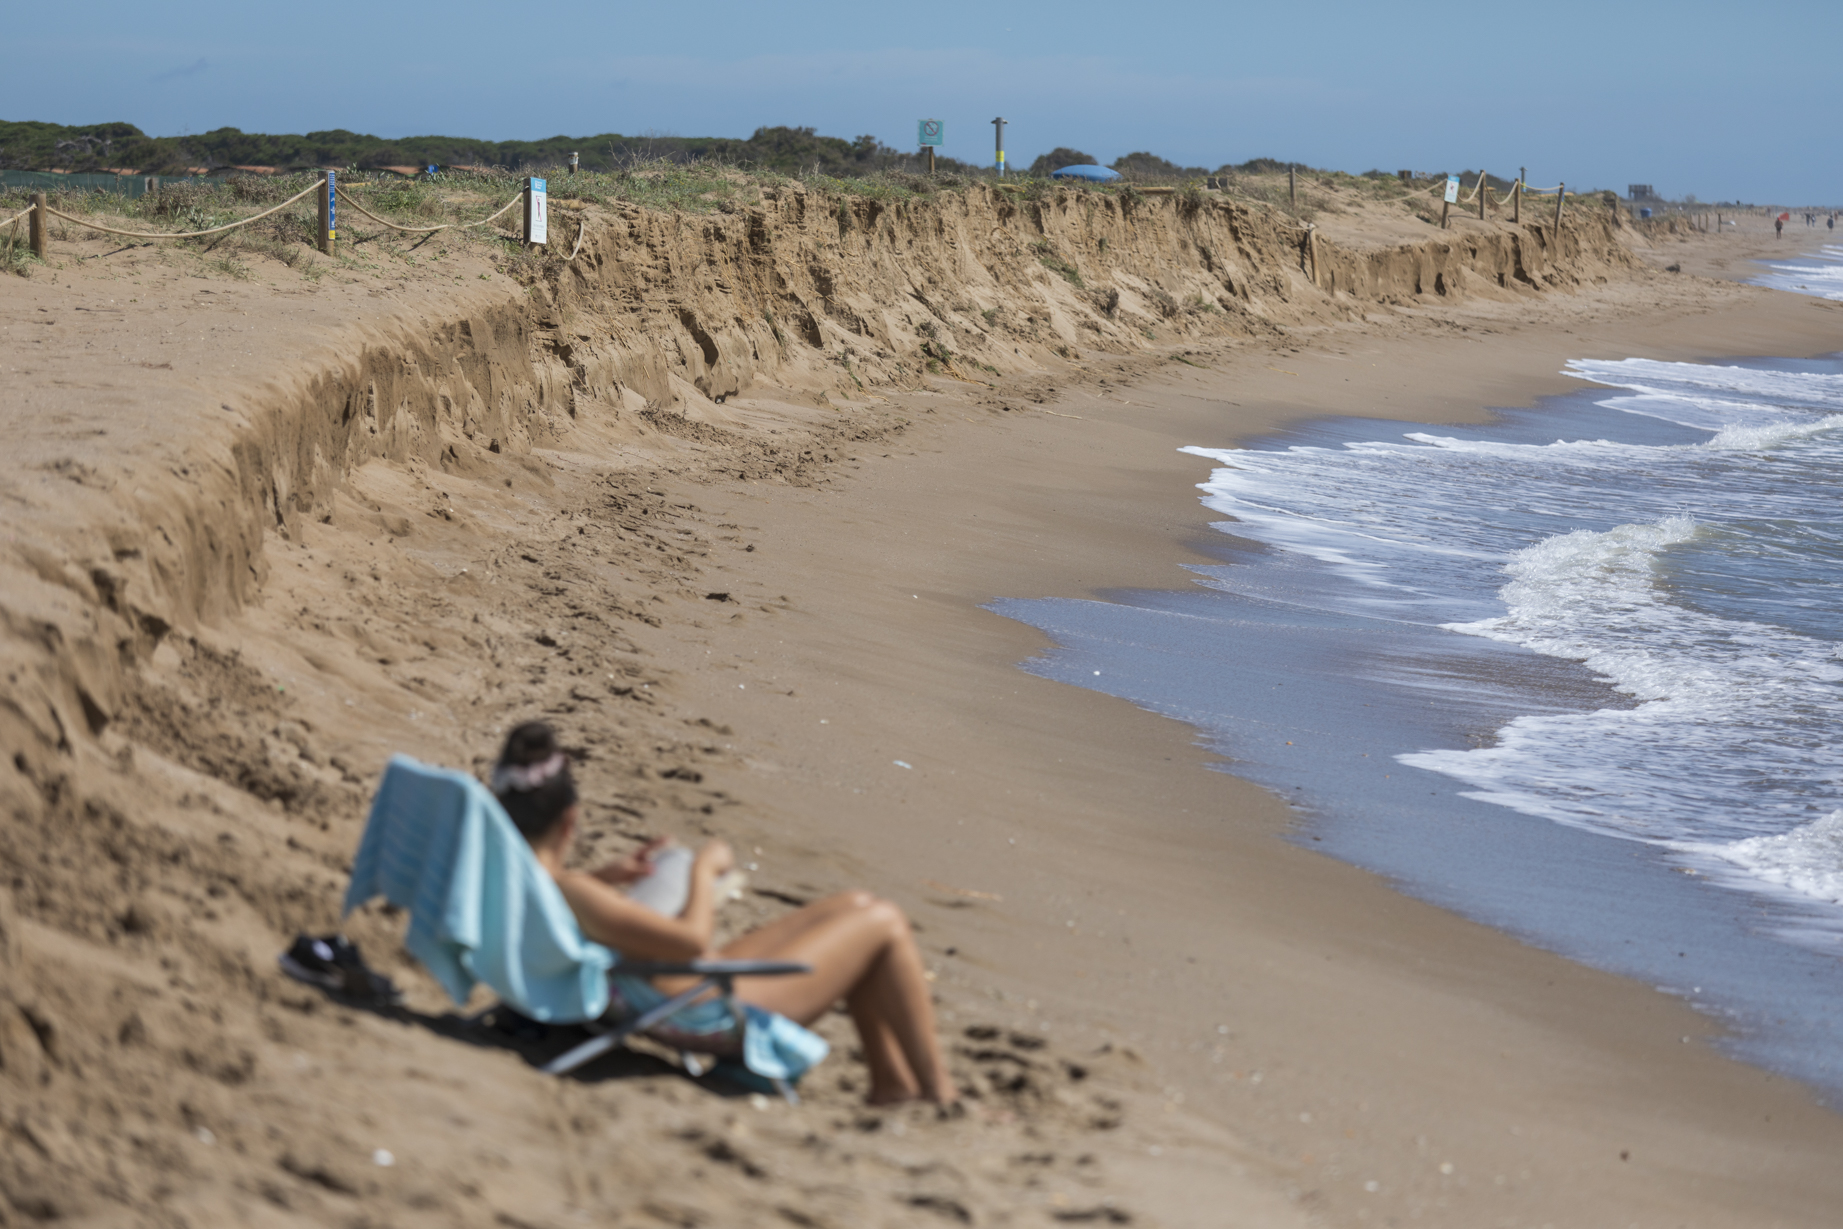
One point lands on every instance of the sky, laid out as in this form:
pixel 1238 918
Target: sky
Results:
pixel 1723 101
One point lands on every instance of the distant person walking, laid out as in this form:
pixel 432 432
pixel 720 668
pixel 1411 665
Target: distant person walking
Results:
pixel 1830 223
pixel 1779 225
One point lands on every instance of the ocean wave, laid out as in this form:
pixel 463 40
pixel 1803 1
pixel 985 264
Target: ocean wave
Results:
pixel 1808 860
pixel 1695 577
pixel 1743 392
pixel 1821 280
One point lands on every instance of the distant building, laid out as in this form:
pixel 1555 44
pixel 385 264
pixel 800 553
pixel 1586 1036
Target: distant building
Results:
pixel 1641 192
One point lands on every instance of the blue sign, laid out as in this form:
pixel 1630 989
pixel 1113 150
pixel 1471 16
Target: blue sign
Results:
pixel 332 220
pixel 537 211
pixel 932 132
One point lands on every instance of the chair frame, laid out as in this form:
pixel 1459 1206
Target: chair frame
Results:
pixel 712 974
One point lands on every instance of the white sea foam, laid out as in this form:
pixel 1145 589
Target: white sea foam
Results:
pixel 1823 277
pixel 1808 860
pixel 1728 394
pixel 1697 578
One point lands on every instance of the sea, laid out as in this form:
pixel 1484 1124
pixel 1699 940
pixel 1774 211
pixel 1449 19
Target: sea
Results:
pixel 1820 273
pixel 1577 673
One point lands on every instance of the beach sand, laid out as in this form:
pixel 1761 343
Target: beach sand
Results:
pixel 769 626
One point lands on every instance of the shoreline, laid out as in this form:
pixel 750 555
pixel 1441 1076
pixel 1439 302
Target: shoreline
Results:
pixel 1657 1098
pixel 802 661
pixel 1361 688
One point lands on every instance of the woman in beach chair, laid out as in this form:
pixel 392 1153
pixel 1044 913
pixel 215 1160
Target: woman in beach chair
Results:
pixel 861 949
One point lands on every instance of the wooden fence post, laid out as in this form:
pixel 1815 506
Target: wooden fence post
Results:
pixel 39 223
pixel 329 214
pixel 1516 200
pixel 1292 186
pixel 1561 194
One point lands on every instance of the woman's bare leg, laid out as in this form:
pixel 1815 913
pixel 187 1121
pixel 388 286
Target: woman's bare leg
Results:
pixel 891 1077
pixel 769 938
pixel 861 950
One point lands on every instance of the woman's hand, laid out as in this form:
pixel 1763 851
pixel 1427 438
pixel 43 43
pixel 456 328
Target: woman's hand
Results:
pixel 716 858
pixel 635 866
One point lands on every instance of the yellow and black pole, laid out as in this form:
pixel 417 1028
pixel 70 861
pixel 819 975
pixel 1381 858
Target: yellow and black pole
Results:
pixel 329 218
pixel 999 125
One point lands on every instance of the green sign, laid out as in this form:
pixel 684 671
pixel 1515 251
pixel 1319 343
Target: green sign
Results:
pixel 932 131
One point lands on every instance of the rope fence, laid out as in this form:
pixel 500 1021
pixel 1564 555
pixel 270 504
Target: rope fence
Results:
pixel 188 234
pixel 536 226
pixel 427 230
pixel 533 195
pixel 1485 195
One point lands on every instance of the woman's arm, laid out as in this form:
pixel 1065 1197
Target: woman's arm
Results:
pixel 635 866
pixel 637 932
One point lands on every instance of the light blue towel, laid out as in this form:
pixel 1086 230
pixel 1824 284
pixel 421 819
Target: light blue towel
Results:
pixel 481 908
pixel 773 1046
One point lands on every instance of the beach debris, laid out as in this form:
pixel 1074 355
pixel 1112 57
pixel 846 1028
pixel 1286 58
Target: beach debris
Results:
pixel 382 1158
pixel 967 893
pixel 902 764
pixel 1100 1214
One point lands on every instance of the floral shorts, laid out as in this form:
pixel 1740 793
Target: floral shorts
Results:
pixel 707 1026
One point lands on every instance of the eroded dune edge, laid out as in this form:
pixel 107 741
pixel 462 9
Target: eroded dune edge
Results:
pixel 245 560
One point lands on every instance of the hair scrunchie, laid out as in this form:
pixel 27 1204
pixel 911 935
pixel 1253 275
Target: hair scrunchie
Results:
pixel 524 778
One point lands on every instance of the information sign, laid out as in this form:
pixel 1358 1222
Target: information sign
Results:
pixel 932 131
pixel 1452 189
pixel 537 212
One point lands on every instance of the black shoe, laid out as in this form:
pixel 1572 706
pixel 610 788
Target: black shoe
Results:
pixel 332 963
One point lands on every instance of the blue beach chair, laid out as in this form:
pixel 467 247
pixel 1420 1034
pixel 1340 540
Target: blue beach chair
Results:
pixel 439 845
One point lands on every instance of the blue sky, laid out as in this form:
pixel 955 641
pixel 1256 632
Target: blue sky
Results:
pixel 1720 100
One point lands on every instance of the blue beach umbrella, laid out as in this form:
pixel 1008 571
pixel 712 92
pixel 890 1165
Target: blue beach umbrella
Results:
pixel 1094 174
